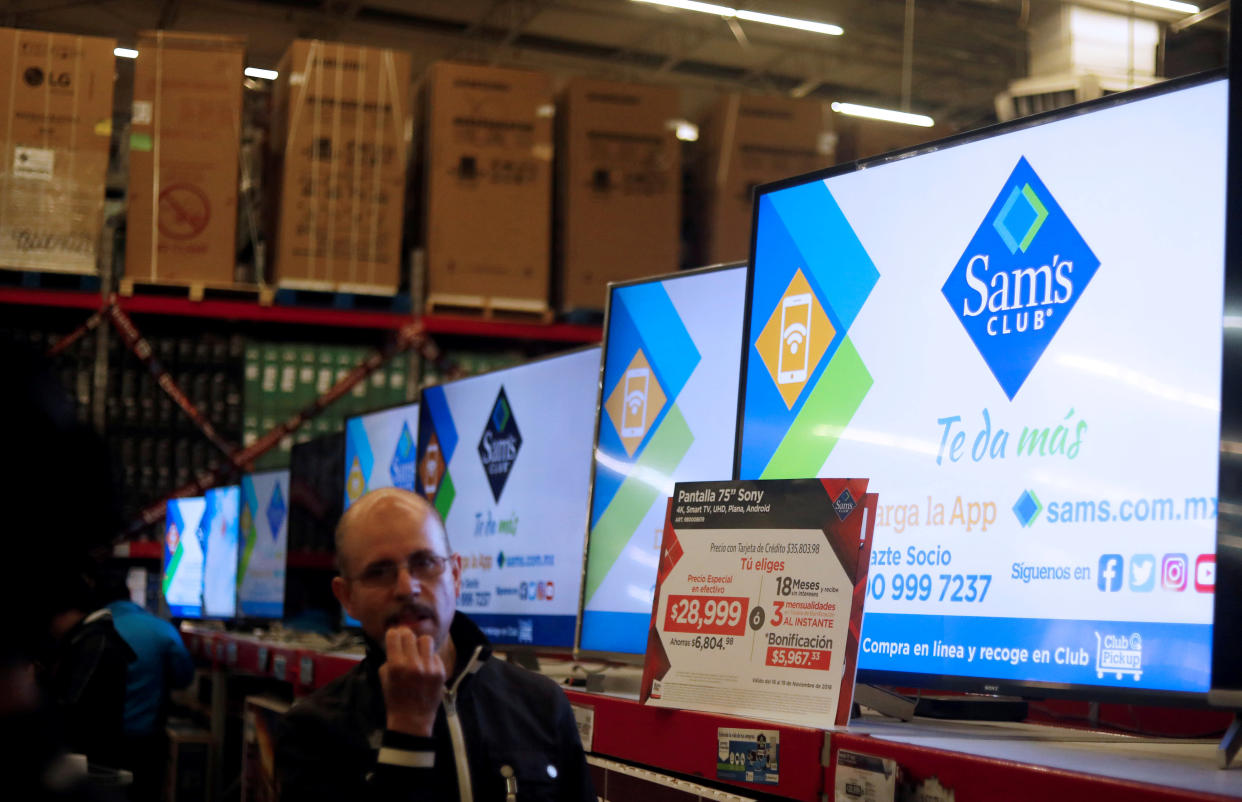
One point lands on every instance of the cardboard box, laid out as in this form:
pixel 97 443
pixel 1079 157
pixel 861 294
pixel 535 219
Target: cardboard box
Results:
pixel 488 187
pixel 750 140
pixel 341 128
pixel 56 99
pixel 183 158
pixel 618 188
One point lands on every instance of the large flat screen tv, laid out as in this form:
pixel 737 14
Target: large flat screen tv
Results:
pixel 262 556
pixel 668 392
pixel 1016 335
pixel 505 458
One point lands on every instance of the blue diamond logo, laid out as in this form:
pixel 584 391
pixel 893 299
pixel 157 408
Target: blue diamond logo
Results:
pixel 499 445
pixel 1019 278
pixel 402 469
pixel 276 511
pixel 1027 508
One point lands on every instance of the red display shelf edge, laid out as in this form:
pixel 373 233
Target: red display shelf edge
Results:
pixel 137 549
pixel 69 299
pixel 344 318
pixel 684 742
pixel 980 777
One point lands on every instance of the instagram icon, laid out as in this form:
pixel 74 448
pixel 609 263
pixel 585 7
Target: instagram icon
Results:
pixel 1173 572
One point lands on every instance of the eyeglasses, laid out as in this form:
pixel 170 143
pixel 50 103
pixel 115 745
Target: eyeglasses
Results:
pixel 423 566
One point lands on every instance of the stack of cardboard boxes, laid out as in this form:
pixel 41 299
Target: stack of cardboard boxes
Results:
pixel 341 132
pixel 56 96
pixel 183 157
pixel 751 140
pixel 619 188
pixel 488 197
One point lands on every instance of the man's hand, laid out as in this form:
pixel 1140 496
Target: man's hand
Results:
pixel 413 680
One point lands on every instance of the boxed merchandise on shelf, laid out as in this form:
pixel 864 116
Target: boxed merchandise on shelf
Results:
pixel 488 188
pixel 618 188
pixel 748 140
pixel 56 94
pixel 183 155
pixel 341 133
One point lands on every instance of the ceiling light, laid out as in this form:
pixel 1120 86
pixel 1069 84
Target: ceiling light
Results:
pixel 749 16
pixel 888 115
pixel 1169 5
pixel 255 72
pixel 124 52
pixel 790 22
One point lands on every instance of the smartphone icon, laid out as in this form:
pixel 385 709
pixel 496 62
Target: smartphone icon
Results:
pixel 795 337
pixel 634 412
pixel 431 468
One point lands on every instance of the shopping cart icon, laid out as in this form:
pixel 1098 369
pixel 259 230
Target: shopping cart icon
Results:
pixel 1119 655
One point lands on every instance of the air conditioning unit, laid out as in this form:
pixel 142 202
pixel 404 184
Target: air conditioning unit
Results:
pixel 1032 95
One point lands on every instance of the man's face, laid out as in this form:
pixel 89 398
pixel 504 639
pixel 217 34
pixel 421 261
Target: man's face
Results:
pixel 398 533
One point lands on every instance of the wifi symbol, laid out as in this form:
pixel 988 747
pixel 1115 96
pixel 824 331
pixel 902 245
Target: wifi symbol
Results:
pixel 795 336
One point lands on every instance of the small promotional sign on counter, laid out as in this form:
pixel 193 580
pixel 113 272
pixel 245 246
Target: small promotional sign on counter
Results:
pixel 759 597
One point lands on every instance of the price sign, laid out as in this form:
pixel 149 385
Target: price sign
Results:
pixel 759 599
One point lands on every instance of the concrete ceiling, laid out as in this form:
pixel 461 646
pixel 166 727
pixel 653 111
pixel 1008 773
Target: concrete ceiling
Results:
pixel 963 51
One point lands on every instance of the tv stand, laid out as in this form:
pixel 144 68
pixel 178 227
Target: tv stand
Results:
pixel 1230 744
pixel 958 708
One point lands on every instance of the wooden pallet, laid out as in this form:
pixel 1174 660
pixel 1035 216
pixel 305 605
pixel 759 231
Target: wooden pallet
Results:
pixel 487 307
pixel 48 280
pixel 336 296
pixel 197 290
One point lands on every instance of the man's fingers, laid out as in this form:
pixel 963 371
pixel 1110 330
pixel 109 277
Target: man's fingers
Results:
pixel 426 648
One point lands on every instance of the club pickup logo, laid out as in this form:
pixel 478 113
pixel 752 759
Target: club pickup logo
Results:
pixel 1019 278
pixel 499 446
pixel 401 469
pixel 275 511
pixel 795 338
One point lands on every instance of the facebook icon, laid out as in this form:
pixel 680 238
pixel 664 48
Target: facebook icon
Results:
pixel 1110 573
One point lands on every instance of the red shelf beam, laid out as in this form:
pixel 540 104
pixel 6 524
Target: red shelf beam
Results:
pixel 66 299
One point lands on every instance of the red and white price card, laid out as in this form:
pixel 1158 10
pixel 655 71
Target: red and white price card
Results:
pixel 759 599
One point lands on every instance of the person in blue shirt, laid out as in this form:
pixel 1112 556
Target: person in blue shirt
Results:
pixel 163 663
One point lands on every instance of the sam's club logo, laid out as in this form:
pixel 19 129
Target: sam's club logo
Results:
pixel 1019 278
pixel 499 446
pixel 1027 508
pixel 402 467
pixel 844 504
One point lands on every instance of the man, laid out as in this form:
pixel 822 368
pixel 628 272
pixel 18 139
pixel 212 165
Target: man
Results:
pixel 428 715
pixel 162 663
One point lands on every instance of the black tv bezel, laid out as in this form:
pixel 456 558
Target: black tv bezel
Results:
pixel 1227 607
pixel 944 682
pixel 626 658
pixel 503 645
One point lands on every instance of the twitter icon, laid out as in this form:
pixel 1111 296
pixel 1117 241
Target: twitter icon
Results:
pixel 1142 572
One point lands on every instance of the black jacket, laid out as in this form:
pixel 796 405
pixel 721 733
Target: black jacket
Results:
pixel 333 744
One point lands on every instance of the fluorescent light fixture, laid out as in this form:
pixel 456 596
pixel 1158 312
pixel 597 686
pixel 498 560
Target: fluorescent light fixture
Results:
pixel 790 22
pixel 255 72
pixel 124 52
pixel 1169 5
pixel 888 115
pixel 749 16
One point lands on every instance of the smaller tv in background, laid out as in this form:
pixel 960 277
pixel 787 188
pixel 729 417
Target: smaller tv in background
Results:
pixel 264 535
pixel 183 557
pixel 220 536
pixel 316 490
pixel 380 451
